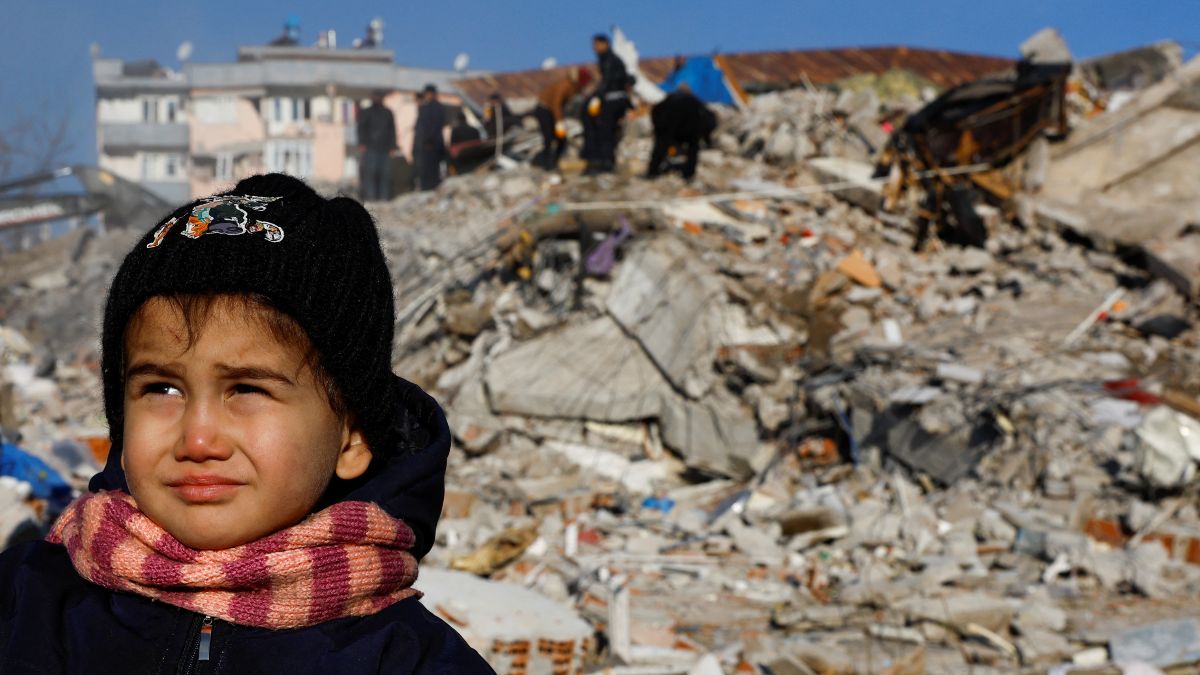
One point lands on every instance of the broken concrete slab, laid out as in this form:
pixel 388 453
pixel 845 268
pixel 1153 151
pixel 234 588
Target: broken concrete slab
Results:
pixel 852 180
pixel 588 371
pixel 667 299
pixel 1163 644
pixel 716 436
pixel 504 621
pixel 1046 46
pixel 1135 68
pixel 961 609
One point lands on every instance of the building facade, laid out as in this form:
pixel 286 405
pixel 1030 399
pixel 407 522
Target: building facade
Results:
pixel 292 109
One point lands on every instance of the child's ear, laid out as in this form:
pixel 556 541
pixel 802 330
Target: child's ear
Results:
pixel 354 457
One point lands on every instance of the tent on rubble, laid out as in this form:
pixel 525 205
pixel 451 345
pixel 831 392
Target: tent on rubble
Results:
pixel 708 80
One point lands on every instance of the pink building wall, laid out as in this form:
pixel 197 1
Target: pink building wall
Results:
pixel 207 138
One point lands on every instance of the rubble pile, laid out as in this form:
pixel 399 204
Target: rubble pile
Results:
pixel 742 425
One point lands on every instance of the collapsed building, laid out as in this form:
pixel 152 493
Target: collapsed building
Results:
pixel 761 422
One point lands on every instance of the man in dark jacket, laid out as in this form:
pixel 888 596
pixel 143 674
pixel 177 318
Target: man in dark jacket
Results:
pixel 681 123
pixel 429 146
pixel 271 483
pixel 376 147
pixel 605 109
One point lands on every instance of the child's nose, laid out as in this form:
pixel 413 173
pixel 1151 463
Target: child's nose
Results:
pixel 202 438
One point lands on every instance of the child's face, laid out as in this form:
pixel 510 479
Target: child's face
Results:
pixel 229 439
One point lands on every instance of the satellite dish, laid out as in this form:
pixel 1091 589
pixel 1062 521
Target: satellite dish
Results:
pixel 185 51
pixel 549 63
pixel 462 61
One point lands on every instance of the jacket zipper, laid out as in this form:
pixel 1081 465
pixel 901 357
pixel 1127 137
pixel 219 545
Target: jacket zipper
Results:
pixel 206 628
pixel 199 649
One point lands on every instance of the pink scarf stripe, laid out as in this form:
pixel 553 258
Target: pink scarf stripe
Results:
pixel 350 559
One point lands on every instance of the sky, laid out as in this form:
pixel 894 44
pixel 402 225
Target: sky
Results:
pixel 45 57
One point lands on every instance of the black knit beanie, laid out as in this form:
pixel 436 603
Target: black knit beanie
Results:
pixel 317 260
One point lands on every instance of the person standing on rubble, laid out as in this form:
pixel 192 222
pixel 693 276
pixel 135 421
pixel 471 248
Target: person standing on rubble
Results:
pixel 429 145
pixel 376 148
pixel 681 123
pixel 497 116
pixel 549 115
pixel 605 108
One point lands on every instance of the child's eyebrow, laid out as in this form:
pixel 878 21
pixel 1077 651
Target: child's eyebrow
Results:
pixel 147 368
pixel 253 373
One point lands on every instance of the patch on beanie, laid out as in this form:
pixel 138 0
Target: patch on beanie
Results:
pixel 224 214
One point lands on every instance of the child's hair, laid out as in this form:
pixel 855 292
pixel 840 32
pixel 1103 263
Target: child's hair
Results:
pixel 273 242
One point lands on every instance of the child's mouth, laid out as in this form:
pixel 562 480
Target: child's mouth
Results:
pixel 204 488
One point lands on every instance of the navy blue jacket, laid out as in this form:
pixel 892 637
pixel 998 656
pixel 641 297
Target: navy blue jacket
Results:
pixel 53 621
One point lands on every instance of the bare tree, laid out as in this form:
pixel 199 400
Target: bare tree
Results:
pixel 34 142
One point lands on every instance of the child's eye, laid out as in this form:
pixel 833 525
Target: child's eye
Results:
pixel 248 389
pixel 161 389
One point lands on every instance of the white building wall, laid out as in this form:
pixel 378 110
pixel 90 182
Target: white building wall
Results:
pixel 128 167
pixel 119 110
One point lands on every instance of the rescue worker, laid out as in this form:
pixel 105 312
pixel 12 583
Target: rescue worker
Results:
pixel 496 116
pixel 376 147
pixel 681 122
pixel 605 108
pixel 549 115
pixel 429 145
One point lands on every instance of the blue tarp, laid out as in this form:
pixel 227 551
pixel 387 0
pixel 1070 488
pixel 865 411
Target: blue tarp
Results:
pixel 706 81
pixel 46 482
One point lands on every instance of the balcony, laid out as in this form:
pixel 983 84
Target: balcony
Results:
pixel 142 136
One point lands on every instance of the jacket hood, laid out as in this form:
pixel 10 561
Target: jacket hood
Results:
pixel 408 484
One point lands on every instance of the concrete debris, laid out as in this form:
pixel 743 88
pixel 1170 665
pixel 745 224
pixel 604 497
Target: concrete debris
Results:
pixel 1169 447
pixel 778 428
pixel 1165 644
pixel 1046 46
pixel 507 623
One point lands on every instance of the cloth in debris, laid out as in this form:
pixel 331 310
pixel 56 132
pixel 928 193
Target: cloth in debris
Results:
pixel 429 146
pixel 44 481
pixel 681 121
pixel 353 547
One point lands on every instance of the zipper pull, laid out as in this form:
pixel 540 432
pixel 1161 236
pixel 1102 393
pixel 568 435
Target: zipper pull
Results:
pixel 205 638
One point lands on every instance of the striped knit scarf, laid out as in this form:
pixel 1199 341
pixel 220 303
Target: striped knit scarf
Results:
pixel 350 559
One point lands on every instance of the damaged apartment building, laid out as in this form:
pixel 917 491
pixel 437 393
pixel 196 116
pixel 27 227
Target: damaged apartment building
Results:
pixel 278 107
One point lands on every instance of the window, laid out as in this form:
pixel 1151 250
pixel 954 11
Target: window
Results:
pixel 224 170
pixel 289 156
pixel 159 166
pixel 171 105
pixel 148 111
pixel 278 102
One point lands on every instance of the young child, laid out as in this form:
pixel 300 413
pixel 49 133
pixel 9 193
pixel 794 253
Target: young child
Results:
pixel 271 484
